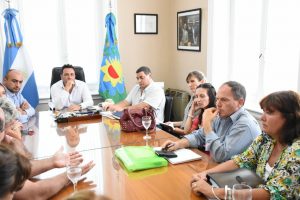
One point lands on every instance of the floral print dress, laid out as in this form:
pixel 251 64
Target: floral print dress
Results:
pixel 284 179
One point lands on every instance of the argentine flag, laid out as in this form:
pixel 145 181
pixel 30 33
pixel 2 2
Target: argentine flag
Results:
pixel 16 57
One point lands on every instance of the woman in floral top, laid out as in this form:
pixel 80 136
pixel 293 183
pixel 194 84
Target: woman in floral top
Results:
pixel 274 155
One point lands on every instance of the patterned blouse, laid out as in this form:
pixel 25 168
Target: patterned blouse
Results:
pixel 284 180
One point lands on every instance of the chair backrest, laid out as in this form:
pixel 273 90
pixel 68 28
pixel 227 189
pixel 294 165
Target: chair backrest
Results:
pixel 79 74
pixel 168 108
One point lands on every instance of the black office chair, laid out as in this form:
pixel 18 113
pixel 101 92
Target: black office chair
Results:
pixel 168 108
pixel 79 74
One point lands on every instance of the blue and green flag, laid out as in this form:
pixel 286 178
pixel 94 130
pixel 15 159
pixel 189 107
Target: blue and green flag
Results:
pixel 111 75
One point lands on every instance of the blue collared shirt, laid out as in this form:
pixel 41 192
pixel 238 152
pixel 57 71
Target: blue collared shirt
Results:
pixel 229 136
pixel 17 99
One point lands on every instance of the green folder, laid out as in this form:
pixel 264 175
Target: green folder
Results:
pixel 137 158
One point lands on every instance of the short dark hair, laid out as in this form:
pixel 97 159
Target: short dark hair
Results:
pixel 65 67
pixel 8 72
pixel 211 92
pixel 197 74
pixel 237 89
pixel 15 169
pixel 288 104
pixel 144 69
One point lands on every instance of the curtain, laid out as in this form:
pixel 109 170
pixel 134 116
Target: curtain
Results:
pixel 57 32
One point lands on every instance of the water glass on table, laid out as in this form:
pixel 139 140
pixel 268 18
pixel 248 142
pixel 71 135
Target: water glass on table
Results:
pixel 74 174
pixel 241 192
pixel 146 121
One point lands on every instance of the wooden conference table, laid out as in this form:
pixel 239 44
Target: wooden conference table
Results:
pixel 97 140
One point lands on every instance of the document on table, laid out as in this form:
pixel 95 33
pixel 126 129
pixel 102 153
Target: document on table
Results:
pixel 183 155
pixel 111 115
pixel 107 114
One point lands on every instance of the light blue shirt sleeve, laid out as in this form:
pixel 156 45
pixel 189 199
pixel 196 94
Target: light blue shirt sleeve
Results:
pixel 196 138
pixel 236 141
pixel 18 100
pixel 229 136
pixel 232 135
pixel 30 111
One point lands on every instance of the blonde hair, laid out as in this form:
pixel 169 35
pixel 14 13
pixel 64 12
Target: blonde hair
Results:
pixel 10 111
pixel 87 195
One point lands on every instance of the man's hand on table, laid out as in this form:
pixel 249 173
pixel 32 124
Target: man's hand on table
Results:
pixel 61 159
pixel 74 107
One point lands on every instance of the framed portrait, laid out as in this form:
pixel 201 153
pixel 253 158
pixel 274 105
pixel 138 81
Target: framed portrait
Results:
pixel 145 23
pixel 189 30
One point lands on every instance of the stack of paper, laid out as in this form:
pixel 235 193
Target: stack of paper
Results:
pixel 107 114
pixel 183 155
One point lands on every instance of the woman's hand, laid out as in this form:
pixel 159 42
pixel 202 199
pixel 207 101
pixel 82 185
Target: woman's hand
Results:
pixel 198 176
pixel 201 186
pixel 13 129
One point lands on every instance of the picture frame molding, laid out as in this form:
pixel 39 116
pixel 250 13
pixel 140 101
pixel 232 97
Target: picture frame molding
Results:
pixel 189 42
pixel 152 24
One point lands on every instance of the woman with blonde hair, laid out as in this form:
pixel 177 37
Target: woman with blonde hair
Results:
pixel 12 126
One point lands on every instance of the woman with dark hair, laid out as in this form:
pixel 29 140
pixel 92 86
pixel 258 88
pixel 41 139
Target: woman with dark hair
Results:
pixel 205 97
pixel 193 79
pixel 274 155
pixel 14 171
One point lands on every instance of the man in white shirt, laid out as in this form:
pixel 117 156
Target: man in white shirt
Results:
pixel 145 94
pixel 70 93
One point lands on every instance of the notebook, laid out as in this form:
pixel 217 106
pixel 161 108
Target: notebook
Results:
pixel 183 155
pixel 168 126
pixel 112 115
pixel 137 158
pixel 117 114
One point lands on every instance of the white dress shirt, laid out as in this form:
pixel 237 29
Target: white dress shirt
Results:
pixel 80 95
pixel 153 95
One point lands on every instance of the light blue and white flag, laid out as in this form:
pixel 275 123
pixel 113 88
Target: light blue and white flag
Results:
pixel 16 57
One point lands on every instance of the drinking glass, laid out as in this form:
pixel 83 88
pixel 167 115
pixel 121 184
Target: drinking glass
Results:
pixel 241 192
pixel 74 174
pixel 146 121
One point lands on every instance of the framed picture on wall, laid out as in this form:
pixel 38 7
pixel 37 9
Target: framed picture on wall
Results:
pixel 189 30
pixel 145 23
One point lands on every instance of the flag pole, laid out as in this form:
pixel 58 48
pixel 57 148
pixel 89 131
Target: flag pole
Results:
pixel 110 7
pixel 8 2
